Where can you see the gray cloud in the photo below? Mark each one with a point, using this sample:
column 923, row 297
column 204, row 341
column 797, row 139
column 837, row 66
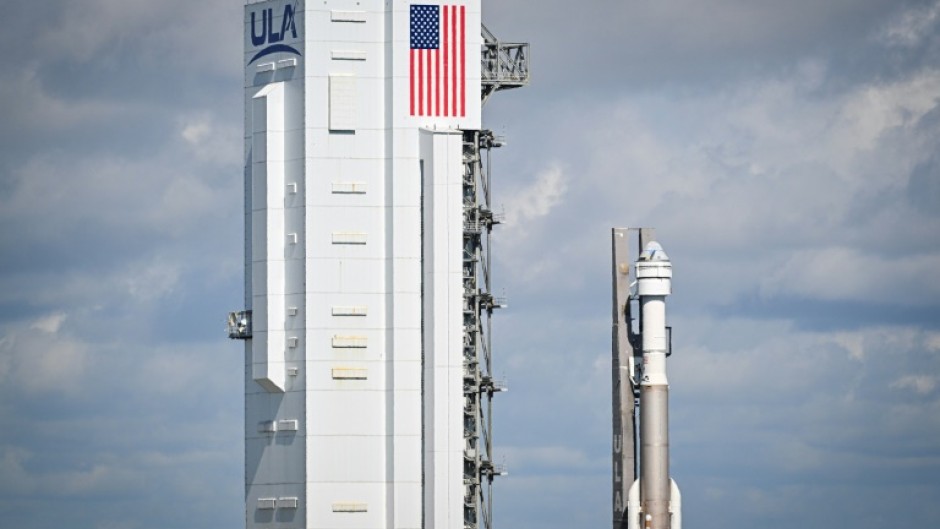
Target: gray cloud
column 784, row 151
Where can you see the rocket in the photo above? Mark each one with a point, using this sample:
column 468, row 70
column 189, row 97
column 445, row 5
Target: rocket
column 653, row 501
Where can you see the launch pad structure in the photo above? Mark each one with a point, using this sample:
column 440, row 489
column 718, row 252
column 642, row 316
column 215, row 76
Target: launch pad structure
column 367, row 325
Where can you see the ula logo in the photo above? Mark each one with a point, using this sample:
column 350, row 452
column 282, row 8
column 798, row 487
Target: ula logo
column 267, row 34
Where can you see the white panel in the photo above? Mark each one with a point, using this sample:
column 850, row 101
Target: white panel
column 350, row 310
column 347, row 232
column 407, row 275
column 407, row 407
column 287, row 502
column 408, row 458
column 350, row 373
column 287, row 425
column 350, row 506
column 346, row 412
column 371, row 101
column 368, row 375
column 349, row 344
column 322, row 496
column 343, row 98
column 408, row 503
column 353, row 312
column 367, row 465
column 268, row 109
column 347, row 16
column 349, row 237
column 407, row 345
column 407, row 226
column 348, row 275
column 287, row 63
column 279, row 462
column 443, row 290
column 357, row 188
column 407, row 376
column 347, row 341
column 267, row 503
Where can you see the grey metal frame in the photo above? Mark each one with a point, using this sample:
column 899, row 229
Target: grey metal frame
column 479, row 304
column 505, row 65
column 625, row 344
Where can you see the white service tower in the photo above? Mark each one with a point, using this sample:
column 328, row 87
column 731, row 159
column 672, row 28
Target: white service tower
column 364, row 382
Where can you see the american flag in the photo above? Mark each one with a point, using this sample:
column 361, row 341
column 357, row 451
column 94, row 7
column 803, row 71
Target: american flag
column 438, row 66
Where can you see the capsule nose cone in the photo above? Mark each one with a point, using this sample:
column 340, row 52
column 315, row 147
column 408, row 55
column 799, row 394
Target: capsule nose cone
column 654, row 252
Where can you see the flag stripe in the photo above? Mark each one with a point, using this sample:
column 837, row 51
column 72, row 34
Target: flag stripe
column 411, row 97
column 453, row 51
column 463, row 64
column 437, row 82
column 427, row 80
column 446, row 60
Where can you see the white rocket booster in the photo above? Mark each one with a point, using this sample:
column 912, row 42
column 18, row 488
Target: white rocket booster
column 654, row 496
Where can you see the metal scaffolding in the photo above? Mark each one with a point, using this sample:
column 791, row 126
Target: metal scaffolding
column 479, row 304
column 504, row 66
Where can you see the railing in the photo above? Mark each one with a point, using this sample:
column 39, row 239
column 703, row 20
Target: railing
column 504, row 65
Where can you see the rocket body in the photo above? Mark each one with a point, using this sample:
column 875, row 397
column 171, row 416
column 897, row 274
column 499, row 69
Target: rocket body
column 654, row 283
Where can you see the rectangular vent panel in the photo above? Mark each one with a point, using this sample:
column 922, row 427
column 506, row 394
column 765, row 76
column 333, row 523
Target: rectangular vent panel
column 347, row 16
column 266, row 503
column 350, row 373
column 349, row 237
column 287, row 502
column 343, row 97
column 288, row 425
column 350, row 506
column 348, row 55
column 350, row 310
column 351, row 188
column 350, row 342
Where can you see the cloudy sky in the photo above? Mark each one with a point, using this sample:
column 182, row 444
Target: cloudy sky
column 788, row 154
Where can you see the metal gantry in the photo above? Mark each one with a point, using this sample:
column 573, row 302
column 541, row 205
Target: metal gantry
column 504, row 66
column 479, row 304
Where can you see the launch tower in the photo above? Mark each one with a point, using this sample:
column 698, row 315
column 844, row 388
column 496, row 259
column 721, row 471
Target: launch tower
column 368, row 366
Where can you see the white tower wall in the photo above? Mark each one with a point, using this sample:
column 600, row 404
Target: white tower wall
column 353, row 388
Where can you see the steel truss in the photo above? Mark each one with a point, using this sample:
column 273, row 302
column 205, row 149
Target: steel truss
column 504, row 66
column 479, row 303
